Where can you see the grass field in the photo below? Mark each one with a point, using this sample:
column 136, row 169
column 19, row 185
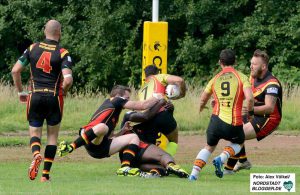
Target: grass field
column 98, row 178
column 78, row 173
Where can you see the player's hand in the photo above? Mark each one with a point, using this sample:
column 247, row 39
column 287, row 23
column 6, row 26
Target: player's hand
column 23, row 96
column 126, row 127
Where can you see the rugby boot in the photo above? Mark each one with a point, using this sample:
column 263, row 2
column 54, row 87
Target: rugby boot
column 228, row 172
column 128, row 171
column 192, row 178
column 218, row 166
column 239, row 166
column 177, row 170
column 34, row 166
column 149, row 175
column 64, row 149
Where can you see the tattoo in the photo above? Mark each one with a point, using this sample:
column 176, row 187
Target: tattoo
column 273, row 100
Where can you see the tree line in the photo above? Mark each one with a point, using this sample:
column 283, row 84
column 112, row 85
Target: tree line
column 104, row 37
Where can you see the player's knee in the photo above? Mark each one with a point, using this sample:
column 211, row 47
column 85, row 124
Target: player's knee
column 134, row 139
column 100, row 129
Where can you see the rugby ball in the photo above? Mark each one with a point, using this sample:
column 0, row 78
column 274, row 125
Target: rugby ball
column 172, row 91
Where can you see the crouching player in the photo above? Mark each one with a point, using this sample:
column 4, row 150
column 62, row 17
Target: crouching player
column 267, row 91
column 97, row 138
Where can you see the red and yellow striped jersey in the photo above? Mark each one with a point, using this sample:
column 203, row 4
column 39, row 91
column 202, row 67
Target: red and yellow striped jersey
column 153, row 84
column 227, row 88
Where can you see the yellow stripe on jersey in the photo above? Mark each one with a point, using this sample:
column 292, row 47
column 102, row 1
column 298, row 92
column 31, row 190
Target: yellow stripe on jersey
column 64, row 53
column 47, row 46
column 257, row 93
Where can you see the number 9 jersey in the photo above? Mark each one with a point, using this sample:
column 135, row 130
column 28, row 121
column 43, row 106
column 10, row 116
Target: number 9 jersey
column 227, row 88
column 46, row 59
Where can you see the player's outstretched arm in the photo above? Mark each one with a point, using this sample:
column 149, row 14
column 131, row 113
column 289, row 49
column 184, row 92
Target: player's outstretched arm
column 148, row 114
column 141, row 105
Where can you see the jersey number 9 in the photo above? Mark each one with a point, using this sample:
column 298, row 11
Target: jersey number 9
column 225, row 86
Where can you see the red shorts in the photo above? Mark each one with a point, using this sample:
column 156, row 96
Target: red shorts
column 264, row 126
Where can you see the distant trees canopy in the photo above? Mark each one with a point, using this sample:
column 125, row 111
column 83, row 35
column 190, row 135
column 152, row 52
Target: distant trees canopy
column 104, row 37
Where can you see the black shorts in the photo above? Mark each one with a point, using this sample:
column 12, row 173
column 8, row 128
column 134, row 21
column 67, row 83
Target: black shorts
column 264, row 126
column 101, row 150
column 163, row 122
column 218, row 129
column 41, row 106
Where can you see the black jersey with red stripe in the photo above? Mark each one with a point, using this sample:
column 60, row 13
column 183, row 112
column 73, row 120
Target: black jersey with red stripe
column 108, row 113
column 47, row 59
column 269, row 85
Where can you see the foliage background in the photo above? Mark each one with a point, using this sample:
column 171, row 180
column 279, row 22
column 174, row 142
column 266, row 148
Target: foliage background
column 104, row 37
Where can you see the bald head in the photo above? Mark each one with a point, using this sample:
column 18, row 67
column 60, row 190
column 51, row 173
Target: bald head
column 53, row 30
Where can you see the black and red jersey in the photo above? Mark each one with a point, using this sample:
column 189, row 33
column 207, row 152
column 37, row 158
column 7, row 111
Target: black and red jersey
column 108, row 113
column 269, row 85
column 46, row 59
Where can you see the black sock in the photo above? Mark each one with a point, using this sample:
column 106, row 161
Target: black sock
column 231, row 162
column 159, row 171
column 243, row 156
column 129, row 154
column 35, row 144
column 83, row 139
column 50, row 152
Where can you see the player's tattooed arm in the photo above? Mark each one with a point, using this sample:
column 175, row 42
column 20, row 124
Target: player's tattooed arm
column 268, row 108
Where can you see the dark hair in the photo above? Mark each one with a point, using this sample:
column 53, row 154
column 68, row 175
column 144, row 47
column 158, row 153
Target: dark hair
column 119, row 90
column 151, row 70
column 227, row 57
column 262, row 54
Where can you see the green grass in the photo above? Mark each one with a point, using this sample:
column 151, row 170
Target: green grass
column 98, row 177
column 79, row 108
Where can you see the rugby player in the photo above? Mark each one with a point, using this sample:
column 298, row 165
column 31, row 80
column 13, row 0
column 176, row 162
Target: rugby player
column 267, row 91
column 97, row 136
column 229, row 88
column 51, row 77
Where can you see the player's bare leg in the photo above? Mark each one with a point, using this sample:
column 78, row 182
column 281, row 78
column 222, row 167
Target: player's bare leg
column 156, row 154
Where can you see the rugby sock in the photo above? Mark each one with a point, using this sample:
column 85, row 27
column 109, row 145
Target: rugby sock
column 243, row 156
column 85, row 138
column 50, row 152
column 200, row 162
column 129, row 154
column 229, row 151
column 231, row 162
column 35, row 144
column 159, row 171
